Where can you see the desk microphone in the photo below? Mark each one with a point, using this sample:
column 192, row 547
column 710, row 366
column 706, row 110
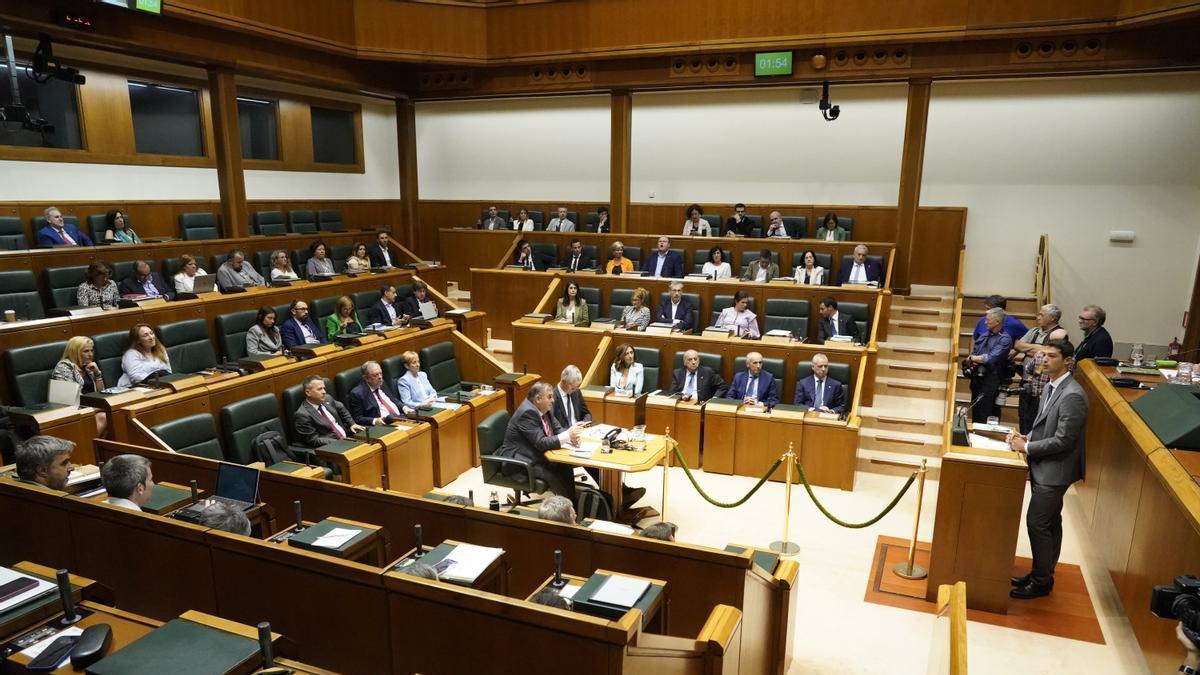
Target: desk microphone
column 524, row 368
column 264, row 642
column 383, row 481
column 558, row 582
column 420, row 548
column 962, row 412
column 195, row 491
column 70, row 616
column 296, row 513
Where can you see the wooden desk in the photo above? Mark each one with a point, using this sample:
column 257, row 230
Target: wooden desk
column 613, row 465
column 653, row 606
column 126, row 628
column 358, row 463
column 624, row 411
column 408, row 455
column 165, row 498
column 70, row 423
column 493, row 579
column 516, row 386
column 483, row 404
column 682, row 418
column 761, row 437
column 20, row 619
column 720, row 432
column 370, row 546
column 452, row 453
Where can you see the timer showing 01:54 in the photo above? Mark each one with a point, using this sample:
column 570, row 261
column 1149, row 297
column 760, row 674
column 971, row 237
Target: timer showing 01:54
column 777, row 63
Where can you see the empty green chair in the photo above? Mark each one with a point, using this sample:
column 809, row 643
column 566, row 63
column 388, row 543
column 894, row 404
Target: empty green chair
column 242, row 422
column 28, row 370
column 188, row 345
column 268, row 223
column 618, row 300
column 19, row 292
column 63, row 284
column 192, row 435
column 650, row 360
column 787, row 314
column 302, row 221
column 197, row 226
column 330, row 220
column 12, row 234
column 231, row 332
column 861, row 315
column 439, row 363
column 796, row 226
column 110, row 347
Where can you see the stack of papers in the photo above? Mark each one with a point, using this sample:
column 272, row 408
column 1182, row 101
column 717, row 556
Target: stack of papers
column 985, row 443
column 37, row 588
column 466, row 562
column 610, row 527
column 621, row 591
column 597, row 432
column 336, row 538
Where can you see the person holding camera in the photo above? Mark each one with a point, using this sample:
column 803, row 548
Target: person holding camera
column 988, row 360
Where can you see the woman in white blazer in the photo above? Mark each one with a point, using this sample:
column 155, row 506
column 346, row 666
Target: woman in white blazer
column 522, row 222
column 695, row 226
column 808, row 272
column 625, row 374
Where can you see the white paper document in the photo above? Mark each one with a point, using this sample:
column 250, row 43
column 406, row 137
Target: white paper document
column 610, row 527
column 597, row 432
column 36, row 649
column 468, row 561
column 985, row 443
column 41, row 588
column 621, row 591
column 336, row 538
column 569, row 591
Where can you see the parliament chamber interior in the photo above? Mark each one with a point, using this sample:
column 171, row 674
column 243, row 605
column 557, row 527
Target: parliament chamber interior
column 602, row 336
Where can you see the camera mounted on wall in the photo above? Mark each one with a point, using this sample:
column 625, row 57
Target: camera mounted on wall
column 828, row 111
column 45, row 67
column 1180, row 601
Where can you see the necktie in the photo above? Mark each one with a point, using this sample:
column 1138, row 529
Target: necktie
column 833, row 326
column 384, row 404
column 148, row 286
column 570, row 411
column 690, row 389
column 574, row 263
column 752, row 387
column 546, row 426
column 1046, row 395
column 67, row 238
column 820, row 394
column 337, row 428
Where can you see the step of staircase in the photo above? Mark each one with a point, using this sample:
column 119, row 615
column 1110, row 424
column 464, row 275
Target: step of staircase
column 902, row 413
column 879, row 462
column 901, row 442
column 918, row 327
column 925, row 349
column 925, row 371
column 1017, row 304
column 926, row 289
column 891, row 386
column 939, row 313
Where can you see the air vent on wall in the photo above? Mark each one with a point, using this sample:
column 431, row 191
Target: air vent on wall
column 446, row 79
column 560, row 73
column 889, row 57
column 706, row 65
column 1071, row 48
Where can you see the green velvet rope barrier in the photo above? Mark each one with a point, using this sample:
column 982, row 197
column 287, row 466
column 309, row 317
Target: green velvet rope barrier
column 725, row 505
column 854, row 526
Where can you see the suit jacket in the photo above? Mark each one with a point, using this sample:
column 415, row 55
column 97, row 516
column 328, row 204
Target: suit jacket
column 559, row 411
column 839, row 233
column 131, row 286
column 708, row 383
column 585, row 261
column 48, row 236
column 539, row 263
column 293, row 336
column 411, row 307
column 751, row 270
column 364, row 408
column 377, row 313
column 846, row 326
column 767, row 394
column 684, row 313
column 742, row 230
column 375, row 253
column 872, row 268
column 1056, row 440
column 672, row 266
column 1097, row 343
column 311, row 427
column 833, row 396
column 526, row 439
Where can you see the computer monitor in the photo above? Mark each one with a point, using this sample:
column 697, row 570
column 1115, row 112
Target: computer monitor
column 235, row 481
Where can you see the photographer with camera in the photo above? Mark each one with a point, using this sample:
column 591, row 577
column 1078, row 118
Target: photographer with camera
column 987, row 362
column 1180, row 601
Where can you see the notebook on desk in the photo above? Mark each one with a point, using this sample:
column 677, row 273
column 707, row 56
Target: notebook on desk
column 180, row 647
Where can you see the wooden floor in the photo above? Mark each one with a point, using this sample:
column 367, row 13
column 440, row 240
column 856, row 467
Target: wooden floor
column 1067, row 612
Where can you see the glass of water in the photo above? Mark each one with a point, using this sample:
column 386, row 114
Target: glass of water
column 1137, row 355
column 1184, row 374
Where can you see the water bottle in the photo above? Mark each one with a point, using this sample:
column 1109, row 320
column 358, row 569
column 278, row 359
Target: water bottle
column 494, row 501
column 1137, row 354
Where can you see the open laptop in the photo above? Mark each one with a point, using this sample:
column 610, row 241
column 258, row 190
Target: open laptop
column 237, row 487
column 204, row 283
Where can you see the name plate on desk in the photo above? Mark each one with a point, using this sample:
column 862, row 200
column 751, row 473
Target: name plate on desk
column 310, row 351
column 713, row 331
column 181, row 381
column 75, row 311
column 110, row 401
column 535, row 318
column 660, row 328
column 359, row 339
column 142, row 301
column 263, row 362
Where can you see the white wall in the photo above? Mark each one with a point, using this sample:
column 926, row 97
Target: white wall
column 542, row 148
column 763, row 145
column 1076, row 158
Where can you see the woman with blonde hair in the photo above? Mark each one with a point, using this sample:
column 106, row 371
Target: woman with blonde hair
column 625, row 374
column 637, row 315
column 358, row 261
column 343, row 319
column 78, row 365
column 617, row 251
column 144, row 357
column 189, row 269
column 281, row 267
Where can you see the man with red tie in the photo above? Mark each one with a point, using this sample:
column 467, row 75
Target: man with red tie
column 372, row 403
column 57, row 232
column 320, row 420
column 532, row 432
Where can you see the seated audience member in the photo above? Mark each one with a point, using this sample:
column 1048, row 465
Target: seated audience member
column 989, row 362
column 128, row 481
column 808, row 272
column 561, row 223
column 45, row 461
column 716, row 267
column 144, row 281
column 618, row 263
column 185, row 278
column 603, row 223
column 571, row 307
column 419, row 304
column 754, row 385
column 358, row 260
column 1012, row 325
column 664, row 262
column 558, row 509
column 263, row 338
column 98, row 289
column 458, row 500
column 78, row 365
column 419, row 570
column 576, row 259
column 527, row 258
column 300, row 329
column 695, row 225
column 834, row 324
column 379, row 253
column 491, row 220
column 57, row 232
column 144, row 357
column 531, row 433
column 281, row 266
column 223, row 517
column 675, row 309
column 775, row 227
column 830, row 230
column 569, row 407
column 861, row 270
column 738, row 224
column 385, row 311
column 319, row 419
column 1096, row 342
column 372, row 402
column 413, row 386
column 625, row 374
column 636, row 316
column 550, row 598
column 522, row 223
column 738, row 317
column 117, row 230
column 761, row 270
column 694, row 382
column 1035, row 376
column 235, row 273
column 663, row 531
column 343, row 320
column 319, row 265
column 820, row 392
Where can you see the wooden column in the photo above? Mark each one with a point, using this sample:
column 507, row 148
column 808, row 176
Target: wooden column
column 227, row 139
column 618, row 191
column 912, row 163
column 409, row 231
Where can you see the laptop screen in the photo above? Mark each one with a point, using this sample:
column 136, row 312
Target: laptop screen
column 237, row 482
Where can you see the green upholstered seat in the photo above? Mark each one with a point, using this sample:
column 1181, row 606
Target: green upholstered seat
column 300, row 258
column 322, row 308
column 772, row 366
column 548, row 252
column 538, row 218
column 651, row 366
column 819, row 259
column 63, row 283
column 861, row 314
column 195, row 226
column 848, row 260
column 592, row 297
column 330, row 220
column 12, row 234
column 345, row 381
column 837, row 371
column 19, row 292
column 339, row 254
column 97, row 224
column 110, row 347
column 192, row 435
column 28, row 370
column 123, row 269
column 787, row 314
column 362, row 302
column 243, row 420
column 439, row 363
column 693, row 298
column 302, row 221
column 393, row 368
column 635, row 254
column 268, row 223
column 714, row 361
column 750, row 256
column 700, row 256
column 618, row 300
column 231, row 332
column 188, row 345
column 796, row 226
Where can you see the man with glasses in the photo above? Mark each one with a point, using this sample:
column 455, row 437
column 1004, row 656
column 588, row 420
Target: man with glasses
column 300, row 330
column 739, row 225
column 1096, row 341
column 675, row 309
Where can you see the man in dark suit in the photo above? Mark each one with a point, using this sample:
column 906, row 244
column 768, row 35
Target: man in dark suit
column 834, row 323
column 58, row 233
column 1055, row 452
column 576, row 259
column 300, row 329
column 1096, row 341
column 529, row 259
column 664, row 262
column 145, row 281
column 569, row 407
column 738, row 224
column 379, row 253
column 532, row 432
column 411, row 305
column 371, row 402
column 860, row 270
column 694, row 382
column 819, row 391
column 755, row 385
column 320, row 420
column 385, row 311
column 675, row 308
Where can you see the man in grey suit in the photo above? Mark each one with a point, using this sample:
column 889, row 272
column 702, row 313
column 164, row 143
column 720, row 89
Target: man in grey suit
column 320, row 420
column 562, row 223
column 1054, row 451
column 533, row 431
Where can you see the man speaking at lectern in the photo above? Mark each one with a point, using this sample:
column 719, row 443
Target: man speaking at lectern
column 1054, row 450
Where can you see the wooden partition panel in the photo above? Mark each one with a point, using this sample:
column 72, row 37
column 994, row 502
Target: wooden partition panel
column 35, row 526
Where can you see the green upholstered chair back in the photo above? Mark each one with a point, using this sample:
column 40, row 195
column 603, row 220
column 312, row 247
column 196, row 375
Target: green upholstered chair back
column 268, row 223
column 62, row 284
column 39, row 222
column 12, row 234
column 195, row 226
column 861, row 314
column 592, row 297
column 344, row 381
column 588, row 250
column 262, row 263
column 714, row 361
column 635, row 254
column 302, row 221
column 243, row 420
column 772, row 366
column 192, row 435
column 848, row 260
column 819, row 259
column 618, row 300
column 787, row 314
column 231, row 332
column 393, row 368
column 218, row 259
column 592, row 222
column 362, row 302
column 110, row 347
column 490, row 432
column 441, row 366
column 750, row 256
column 651, row 366
column 170, row 266
column 300, row 258
column 693, row 298
column 546, row 250
column 330, row 220
column 96, row 225
column 539, row 220
column 700, row 256
column 502, row 213
column 29, row 369
column 339, row 254
column 123, row 269
column 188, row 345
column 714, row 222
column 19, row 292
column 322, row 308
column 720, row 302
column 796, row 226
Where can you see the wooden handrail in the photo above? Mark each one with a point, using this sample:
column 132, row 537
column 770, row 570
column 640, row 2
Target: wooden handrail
column 891, row 265
column 1041, row 272
column 858, row 387
column 547, row 304
column 952, row 371
column 437, row 295
column 952, row 604
column 603, row 354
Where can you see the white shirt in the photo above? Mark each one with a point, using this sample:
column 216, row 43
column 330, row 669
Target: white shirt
column 858, row 274
column 674, row 311
column 184, row 283
column 309, row 337
column 701, row 230
column 566, row 399
column 1056, row 383
column 721, row 271
column 123, row 503
column 780, row 233
column 760, row 273
column 391, row 310
column 523, row 225
column 658, row 264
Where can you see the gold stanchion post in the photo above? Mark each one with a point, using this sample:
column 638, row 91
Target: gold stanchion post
column 909, row 569
column 785, row 546
column 666, row 465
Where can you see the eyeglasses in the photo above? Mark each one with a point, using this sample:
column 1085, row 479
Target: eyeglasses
column 1086, row 318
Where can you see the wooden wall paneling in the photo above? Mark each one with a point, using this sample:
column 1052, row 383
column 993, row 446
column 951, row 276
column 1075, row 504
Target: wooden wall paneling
column 985, row 15
column 227, row 149
column 329, row 23
column 105, row 115
column 29, row 513
column 295, row 132
column 619, row 161
column 933, row 255
column 423, row 31
column 406, row 135
column 912, row 164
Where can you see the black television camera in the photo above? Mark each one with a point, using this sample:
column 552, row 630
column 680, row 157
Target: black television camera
column 1180, row 602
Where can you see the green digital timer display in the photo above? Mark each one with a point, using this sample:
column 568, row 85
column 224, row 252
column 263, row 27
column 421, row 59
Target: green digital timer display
column 772, row 63
column 152, row 6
